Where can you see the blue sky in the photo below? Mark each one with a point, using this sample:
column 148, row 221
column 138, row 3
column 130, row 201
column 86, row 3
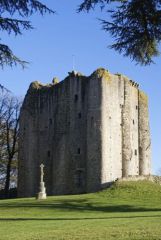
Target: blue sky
column 49, row 49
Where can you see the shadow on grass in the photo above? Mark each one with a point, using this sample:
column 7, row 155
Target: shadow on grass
column 81, row 205
column 77, row 219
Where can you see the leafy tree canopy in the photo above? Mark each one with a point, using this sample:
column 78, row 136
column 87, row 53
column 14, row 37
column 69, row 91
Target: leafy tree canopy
column 23, row 9
column 135, row 26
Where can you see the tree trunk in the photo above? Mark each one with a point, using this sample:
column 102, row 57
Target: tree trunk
column 7, row 183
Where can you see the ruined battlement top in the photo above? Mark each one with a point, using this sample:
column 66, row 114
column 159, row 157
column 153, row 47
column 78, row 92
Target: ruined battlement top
column 100, row 73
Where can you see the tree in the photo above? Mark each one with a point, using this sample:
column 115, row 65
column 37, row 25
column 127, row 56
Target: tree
column 9, row 24
column 135, row 26
column 9, row 128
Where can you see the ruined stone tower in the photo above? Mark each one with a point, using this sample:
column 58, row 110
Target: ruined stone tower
column 87, row 131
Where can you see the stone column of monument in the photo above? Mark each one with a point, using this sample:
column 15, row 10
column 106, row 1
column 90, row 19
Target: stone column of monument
column 42, row 189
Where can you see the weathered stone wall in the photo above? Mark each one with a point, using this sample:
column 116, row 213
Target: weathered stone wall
column 112, row 101
column 152, row 178
column 94, row 133
column 144, row 135
column 134, row 127
column 28, row 165
column 88, row 131
column 130, row 129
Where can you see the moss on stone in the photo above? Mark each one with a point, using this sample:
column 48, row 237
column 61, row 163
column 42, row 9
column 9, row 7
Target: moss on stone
column 80, row 74
column 102, row 73
column 35, row 85
column 143, row 97
column 118, row 74
column 125, row 78
column 55, row 81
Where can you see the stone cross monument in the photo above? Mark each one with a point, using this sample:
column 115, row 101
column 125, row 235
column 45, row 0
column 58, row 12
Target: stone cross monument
column 42, row 189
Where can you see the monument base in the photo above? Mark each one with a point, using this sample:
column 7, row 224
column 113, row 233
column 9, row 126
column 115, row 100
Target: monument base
column 41, row 195
column 42, row 191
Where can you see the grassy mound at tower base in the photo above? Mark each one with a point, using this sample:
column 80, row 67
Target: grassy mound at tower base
column 126, row 211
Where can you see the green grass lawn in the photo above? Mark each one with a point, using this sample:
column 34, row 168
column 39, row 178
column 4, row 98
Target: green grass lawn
column 128, row 210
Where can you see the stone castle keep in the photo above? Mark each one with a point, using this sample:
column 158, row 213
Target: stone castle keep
column 87, row 131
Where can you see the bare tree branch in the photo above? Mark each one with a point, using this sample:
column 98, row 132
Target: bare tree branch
column 9, row 128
